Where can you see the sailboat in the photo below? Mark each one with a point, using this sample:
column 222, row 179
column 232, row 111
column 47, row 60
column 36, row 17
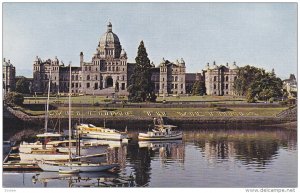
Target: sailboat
column 70, row 166
column 45, row 137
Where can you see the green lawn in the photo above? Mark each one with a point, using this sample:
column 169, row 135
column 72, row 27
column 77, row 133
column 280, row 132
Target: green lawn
column 89, row 99
column 200, row 98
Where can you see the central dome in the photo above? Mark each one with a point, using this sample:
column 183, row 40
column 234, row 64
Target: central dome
column 109, row 37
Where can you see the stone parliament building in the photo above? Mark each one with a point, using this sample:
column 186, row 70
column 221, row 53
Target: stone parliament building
column 109, row 72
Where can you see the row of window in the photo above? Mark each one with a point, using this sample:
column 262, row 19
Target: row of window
column 173, row 78
column 109, row 68
column 226, row 86
column 176, row 70
column 226, row 78
column 37, row 68
column 98, row 62
column 172, row 86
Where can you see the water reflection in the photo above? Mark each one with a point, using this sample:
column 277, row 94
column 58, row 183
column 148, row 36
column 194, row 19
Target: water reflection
column 89, row 179
column 251, row 147
column 165, row 150
column 204, row 158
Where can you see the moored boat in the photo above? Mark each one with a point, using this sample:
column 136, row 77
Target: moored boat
column 161, row 132
column 90, row 131
column 43, row 154
column 69, row 165
column 80, row 166
column 43, row 142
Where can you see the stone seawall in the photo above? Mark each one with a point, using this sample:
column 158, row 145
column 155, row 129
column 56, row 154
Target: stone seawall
column 287, row 116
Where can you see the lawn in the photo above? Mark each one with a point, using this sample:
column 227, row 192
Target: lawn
column 89, row 99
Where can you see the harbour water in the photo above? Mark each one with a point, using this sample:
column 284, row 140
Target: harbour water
column 233, row 158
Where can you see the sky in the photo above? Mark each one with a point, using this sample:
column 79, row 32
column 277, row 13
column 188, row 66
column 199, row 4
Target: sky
column 259, row 34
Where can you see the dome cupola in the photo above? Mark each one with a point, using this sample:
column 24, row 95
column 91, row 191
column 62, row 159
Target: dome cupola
column 233, row 66
column 109, row 37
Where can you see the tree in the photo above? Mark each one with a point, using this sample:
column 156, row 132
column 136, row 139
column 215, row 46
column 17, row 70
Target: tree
column 255, row 83
column 13, row 98
column 265, row 87
column 141, row 87
column 198, row 88
column 22, row 86
column 246, row 75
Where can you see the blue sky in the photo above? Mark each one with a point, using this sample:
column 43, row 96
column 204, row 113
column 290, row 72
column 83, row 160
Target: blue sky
column 259, row 34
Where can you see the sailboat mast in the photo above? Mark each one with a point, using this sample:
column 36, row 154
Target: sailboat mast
column 70, row 91
column 47, row 104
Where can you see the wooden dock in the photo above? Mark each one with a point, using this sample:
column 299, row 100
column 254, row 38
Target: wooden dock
column 11, row 162
column 17, row 166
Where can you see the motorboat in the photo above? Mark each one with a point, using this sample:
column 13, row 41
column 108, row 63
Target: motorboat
column 90, row 131
column 161, row 132
column 43, row 142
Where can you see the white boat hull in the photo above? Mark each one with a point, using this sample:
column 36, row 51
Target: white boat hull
column 38, row 157
column 146, row 137
column 81, row 167
column 95, row 135
column 27, row 148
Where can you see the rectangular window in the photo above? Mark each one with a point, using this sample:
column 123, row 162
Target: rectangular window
column 87, row 85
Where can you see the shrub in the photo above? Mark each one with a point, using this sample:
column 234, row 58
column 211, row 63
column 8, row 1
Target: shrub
column 13, row 98
column 223, row 109
column 107, row 100
column 96, row 104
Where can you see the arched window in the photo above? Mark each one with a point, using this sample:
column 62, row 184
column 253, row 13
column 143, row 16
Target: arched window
column 176, row 78
column 226, row 78
column 215, row 86
column 88, row 77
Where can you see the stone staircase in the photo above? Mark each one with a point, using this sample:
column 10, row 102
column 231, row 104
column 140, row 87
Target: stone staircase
column 290, row 113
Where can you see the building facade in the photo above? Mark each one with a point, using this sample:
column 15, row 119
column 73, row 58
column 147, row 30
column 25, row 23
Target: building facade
column 219, row 79
column 105, row 73
column 290, row 85
column 109, row 72
column 8, row 76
